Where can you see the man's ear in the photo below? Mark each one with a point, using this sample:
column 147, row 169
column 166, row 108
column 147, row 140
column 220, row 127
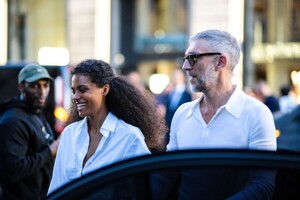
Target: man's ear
column 221, row 62
column 21, row 87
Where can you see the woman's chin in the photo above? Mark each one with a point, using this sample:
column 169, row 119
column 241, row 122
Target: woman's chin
column 81, row 114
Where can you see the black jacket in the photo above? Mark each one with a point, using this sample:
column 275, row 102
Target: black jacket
column 26, row 162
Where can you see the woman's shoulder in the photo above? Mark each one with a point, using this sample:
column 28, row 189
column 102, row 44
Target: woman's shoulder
column 126, row 128
column 71, row 128
column 75, row 124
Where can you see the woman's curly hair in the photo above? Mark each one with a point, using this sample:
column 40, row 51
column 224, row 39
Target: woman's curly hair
column 127, row 102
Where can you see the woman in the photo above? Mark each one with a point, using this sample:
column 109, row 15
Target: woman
column 111, row 120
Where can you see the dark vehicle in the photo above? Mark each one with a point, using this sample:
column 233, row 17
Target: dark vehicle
column 130, row 179
column 288, row 126
column 59, row 96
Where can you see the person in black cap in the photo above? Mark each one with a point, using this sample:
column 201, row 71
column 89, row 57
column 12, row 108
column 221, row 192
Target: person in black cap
column 27, row 145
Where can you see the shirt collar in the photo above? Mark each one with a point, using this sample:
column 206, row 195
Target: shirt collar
column 108, row 126
column 237, row 98
column 194, row 106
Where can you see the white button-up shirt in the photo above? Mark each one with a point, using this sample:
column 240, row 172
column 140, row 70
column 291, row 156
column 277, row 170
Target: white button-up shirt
column 120, row 141
column 242, row 123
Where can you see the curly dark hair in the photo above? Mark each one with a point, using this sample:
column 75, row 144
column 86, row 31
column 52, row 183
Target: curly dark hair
column 127, row 102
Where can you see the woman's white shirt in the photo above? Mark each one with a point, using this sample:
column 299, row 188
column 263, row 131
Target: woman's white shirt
column 120, row 141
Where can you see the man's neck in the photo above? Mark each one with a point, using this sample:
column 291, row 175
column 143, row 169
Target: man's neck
column 214, row 101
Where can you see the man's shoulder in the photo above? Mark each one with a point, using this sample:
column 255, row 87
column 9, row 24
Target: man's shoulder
column 15, row 117
column 253, row 103
column 256, row 109
column 14, row 113
column 12, row 104
column 186, row 109
column 189, row 104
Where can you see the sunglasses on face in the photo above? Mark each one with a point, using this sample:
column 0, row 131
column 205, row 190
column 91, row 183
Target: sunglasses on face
column 192, row 58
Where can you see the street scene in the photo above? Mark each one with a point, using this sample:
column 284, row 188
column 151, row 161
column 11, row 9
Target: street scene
column 143, row 99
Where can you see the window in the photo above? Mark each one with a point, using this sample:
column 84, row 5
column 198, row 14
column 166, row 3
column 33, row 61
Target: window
column 295, row 25
column 160, row 26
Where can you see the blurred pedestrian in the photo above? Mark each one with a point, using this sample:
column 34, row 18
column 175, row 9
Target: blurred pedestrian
column 287, row 99
column 27, row 145
column 263, row 92
column 135, row 78
column 223, row 117
column 178, row 95
column 111, row 120
column 249, row 91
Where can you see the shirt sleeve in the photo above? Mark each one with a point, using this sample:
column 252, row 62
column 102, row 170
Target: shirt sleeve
column 173, row 145
column 263, row 132
column 58, row 177
column 137, row 147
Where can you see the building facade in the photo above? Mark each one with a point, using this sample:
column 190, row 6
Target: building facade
column 151, row 36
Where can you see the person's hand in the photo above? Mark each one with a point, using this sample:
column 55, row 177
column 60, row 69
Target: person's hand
column 53, row 147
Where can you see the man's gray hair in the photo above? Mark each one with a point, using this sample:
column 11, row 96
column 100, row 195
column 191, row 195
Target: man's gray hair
column 221, row 41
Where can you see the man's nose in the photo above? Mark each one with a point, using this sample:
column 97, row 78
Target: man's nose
column 44, row 90
column 186, row 65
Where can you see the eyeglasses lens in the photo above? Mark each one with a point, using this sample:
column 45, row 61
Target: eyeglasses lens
column 190, row 59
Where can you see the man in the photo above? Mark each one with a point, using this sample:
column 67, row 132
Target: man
column 179, row 94
column 27, row 147
column 223, row 117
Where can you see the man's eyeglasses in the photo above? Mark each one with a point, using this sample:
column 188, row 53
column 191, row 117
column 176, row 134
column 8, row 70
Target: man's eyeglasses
column 192, row 58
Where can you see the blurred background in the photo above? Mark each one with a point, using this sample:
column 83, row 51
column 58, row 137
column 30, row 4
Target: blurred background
column 151, row 36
